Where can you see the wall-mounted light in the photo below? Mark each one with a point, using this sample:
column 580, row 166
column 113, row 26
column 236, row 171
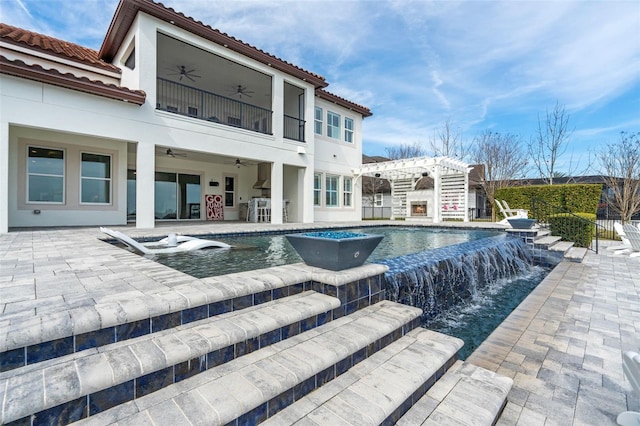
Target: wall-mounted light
column 425, row 174
column 377, row 175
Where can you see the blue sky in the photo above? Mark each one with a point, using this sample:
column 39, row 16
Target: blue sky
column 416, row 64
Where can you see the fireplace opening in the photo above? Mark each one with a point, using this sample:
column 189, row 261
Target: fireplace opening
column 418, row 208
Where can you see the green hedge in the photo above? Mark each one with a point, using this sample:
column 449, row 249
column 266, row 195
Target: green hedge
column 572, row 197
column 571, row 228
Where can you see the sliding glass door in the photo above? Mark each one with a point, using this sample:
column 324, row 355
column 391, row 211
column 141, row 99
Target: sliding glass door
column 177, row 196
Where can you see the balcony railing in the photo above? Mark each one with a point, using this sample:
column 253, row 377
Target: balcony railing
column 188, row 101
column 293, row 128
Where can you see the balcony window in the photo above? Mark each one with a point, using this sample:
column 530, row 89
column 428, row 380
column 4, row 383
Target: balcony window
column 333, row 125
column 348, row 130
column 318, row 121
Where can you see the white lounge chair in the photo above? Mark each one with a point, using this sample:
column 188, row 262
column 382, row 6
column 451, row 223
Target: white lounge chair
column 633, row 235
column 510, row 213
column 631, row 368
column 183, row 244
column 625, row 245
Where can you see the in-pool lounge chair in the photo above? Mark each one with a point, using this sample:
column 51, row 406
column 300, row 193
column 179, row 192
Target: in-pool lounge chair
column 633, row 235
column 510, row 213
column 166, row 245
column 631, row 368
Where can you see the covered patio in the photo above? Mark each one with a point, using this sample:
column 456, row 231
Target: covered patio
column 450, row 199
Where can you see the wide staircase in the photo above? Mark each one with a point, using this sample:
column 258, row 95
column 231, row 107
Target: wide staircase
column 325, row 349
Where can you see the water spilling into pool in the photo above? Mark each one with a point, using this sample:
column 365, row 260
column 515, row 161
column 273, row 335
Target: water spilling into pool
column 264, row 251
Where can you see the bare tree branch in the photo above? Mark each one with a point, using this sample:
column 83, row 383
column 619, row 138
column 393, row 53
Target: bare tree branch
column 620, row 166
column 447, row 142
column 504, row 160
column 550, row 143
column 405, row 151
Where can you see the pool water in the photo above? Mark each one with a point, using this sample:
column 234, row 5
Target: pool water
column 264, row 251
column 476, row 319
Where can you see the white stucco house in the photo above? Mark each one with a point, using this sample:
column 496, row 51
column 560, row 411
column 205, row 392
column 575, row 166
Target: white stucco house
column 169, row 120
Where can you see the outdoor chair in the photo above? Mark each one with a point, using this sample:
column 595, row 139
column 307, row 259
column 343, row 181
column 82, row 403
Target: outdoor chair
column 511, row 213
column 631, row 367
column 633, row 235
column 625, row 246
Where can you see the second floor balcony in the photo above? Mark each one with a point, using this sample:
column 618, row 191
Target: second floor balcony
column 184, row 100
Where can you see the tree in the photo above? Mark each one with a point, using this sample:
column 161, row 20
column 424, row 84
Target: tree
column 405, row 151
column 447, row 142
column 504, row 160
column 620, row 168
column 550, row 143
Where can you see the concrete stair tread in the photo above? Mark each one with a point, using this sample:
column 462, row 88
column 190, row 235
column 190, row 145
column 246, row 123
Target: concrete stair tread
column 547, row 240
column 272, row 374
column 33, row 388
column 466, row 394
column 561, row 246
column 576, row 254
column 373, row 391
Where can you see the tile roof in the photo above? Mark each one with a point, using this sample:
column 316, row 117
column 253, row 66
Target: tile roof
column 128, row 9
column 19, row 68
column 53, row 46
column 327, row 96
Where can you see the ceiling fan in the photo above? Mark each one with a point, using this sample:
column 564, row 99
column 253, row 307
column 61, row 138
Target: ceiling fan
column 239, row 163
column 184, row 72
column 241, row 90
column 170, row 153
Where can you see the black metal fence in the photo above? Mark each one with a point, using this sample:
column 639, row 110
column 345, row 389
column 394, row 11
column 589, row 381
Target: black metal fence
column 185, row 100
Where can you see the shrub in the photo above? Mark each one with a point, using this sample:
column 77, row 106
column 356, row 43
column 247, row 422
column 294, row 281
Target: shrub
column 571, row 228
column 571, row 197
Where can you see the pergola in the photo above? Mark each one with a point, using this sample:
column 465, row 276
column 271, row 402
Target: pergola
column 450, row 183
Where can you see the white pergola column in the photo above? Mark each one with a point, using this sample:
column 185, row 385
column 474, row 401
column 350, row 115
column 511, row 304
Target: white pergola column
column 393, row 199
column 437, row 195
column 466, row 196
column 145, row 185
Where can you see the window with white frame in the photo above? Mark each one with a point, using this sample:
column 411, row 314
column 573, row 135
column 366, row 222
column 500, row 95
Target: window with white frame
column 378, row 200
column 347, row 193
column 331, row 191
column 348, row 130
column 95, row 179
column 318, row 121
column 317, row 189
column 45, row 175
column 229, row 191
column 333, row 125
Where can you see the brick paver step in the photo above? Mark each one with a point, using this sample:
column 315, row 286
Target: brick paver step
column 255, row 386
column 547, row 241
column 575, row 254
column 561, row 246
column 148, row 363
column 380, row 389
column 467, row 394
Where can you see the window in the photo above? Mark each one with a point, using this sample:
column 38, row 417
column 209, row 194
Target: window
column 377, row 200
column 333, row 125
column 45, row 175
column 130, row 62
column 95, row 179
column 331, row 191
column 317, row 189
column 318, row 121
column 348, row 192
column 229, row 191
column 348, row 130
column 192, row 111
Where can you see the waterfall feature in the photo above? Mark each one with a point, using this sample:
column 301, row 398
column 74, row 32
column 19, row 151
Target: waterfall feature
column 437, row 279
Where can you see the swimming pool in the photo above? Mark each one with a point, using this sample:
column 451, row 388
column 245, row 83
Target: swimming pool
column 264, row 251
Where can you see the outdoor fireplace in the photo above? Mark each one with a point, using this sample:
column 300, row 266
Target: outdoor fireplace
column 418, row 208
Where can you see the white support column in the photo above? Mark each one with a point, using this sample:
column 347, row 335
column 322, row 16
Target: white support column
column 437, row 195
column 393, row 200
column 276, row 192
column 145, row 185
column 278, row 107
column 4, row 178
column 466, row 196
column 305, row 194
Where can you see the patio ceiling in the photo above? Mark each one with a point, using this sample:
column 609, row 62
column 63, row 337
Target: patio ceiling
column 412, row 168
